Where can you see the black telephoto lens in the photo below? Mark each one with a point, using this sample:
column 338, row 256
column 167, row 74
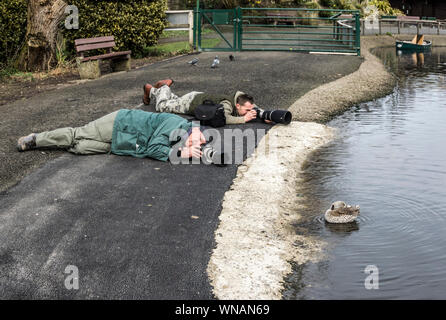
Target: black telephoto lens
column 277, row 116
column 280, row 116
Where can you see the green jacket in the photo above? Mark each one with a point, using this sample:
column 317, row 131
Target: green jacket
column 145, row 134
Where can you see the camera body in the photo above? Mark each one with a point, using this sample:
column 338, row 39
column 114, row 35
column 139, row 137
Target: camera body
column 278, row 116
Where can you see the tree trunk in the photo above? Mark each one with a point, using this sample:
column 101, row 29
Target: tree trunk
column 39, row 51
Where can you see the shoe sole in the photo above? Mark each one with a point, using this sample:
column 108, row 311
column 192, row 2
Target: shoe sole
column 144, row 90
column 21, row 146
column 163, row 84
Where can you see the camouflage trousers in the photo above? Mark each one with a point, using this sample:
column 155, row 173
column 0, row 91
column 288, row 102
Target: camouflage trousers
column 94, row 137
column 166, row 101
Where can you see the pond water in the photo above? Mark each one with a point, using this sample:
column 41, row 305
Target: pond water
column 389, row 158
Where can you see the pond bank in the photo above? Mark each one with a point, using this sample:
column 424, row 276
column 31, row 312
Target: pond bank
column 371, row 80
column 255, row 240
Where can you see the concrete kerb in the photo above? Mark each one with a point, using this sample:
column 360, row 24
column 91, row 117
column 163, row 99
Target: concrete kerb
column 255, row 242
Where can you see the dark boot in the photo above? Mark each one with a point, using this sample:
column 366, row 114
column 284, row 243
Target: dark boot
column 27, row 143
column 167, row 82
column 146, row 97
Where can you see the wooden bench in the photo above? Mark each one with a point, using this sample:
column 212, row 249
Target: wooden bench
column 89, row 66
column 284, row 16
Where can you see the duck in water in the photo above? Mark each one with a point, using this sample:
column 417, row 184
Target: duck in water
column 340, row 212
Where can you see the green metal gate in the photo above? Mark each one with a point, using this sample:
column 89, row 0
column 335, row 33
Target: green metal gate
column 218, row 29
column 278, row 29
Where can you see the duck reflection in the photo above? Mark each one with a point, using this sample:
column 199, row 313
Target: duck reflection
column 342, row 227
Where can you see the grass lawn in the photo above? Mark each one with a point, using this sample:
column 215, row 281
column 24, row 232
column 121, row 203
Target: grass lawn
column 182, row 33
column 11, row 71
column 174, row 48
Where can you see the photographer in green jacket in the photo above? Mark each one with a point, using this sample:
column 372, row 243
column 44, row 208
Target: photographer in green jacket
column 124, row 132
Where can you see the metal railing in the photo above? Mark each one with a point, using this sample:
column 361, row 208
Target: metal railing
column 300, row 29
column 218, row 23
column 403, row 26
column 344, row 31
column 281, row 29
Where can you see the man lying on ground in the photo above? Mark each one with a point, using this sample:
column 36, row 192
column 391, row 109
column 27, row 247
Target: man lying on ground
column 240, row 110
column 124, row 132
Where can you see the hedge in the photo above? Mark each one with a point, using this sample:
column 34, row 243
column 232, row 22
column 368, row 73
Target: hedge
column 135, row 24
column 13, row 15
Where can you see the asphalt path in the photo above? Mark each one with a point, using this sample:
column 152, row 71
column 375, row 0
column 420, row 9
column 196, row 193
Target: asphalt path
column 132, row 228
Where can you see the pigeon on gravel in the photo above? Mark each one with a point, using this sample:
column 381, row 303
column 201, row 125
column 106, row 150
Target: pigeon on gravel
column 231, row 57
column 215, row 63
column 193, row 62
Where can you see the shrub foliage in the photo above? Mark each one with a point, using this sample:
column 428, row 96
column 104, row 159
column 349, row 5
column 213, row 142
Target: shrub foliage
column 13, row 14
column 135, row 24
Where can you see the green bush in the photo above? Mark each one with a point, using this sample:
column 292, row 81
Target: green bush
column 344, row 4
column 311, row 5
column 385, row 8
column 135, row 24
column 299, row 3
column 339, row 4
column 13, row 15
column 327, row 3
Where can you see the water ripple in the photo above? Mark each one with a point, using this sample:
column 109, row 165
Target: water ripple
column 390, row 159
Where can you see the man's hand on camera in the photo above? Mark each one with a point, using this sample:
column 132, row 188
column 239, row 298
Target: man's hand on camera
column 268, row 121
column 250, row 115
column 192, row 151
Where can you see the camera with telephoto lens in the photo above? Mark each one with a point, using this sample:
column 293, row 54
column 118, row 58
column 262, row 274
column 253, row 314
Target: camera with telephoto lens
column 213, row 156
column 277, row 116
